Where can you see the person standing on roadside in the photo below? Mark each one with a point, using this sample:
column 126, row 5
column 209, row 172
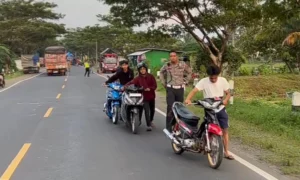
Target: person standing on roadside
column 87, row 68
column 148, row 82
column 215, row 87
column 174, row 75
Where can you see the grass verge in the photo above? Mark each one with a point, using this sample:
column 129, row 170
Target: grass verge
column 14, row 75
column 266, row 126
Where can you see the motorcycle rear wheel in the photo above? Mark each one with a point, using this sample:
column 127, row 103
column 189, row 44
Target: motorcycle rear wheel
column 215, row 157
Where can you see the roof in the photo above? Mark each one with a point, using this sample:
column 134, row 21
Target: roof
column 55, row 49
column 157, row 49
column 108, row 50
column 138, row 53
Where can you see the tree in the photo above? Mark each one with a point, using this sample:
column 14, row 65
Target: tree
column 25, row 26
column 211, row 18
column 123, row 40
column 292, row 38
column 6, row 61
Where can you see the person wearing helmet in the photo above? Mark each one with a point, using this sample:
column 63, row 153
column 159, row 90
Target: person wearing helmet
column 148, row 82
column 124, row 75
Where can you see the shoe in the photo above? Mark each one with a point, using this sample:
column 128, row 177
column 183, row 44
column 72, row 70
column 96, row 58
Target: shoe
column 152, row 125
column 149, row 128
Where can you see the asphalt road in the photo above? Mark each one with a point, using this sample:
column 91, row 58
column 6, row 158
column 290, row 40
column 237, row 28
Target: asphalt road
column 76, row 141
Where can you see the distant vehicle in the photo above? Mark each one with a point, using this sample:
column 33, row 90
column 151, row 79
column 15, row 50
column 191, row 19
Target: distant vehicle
column 42, row 62
column 56, row 60
column 30, row 64
column 109, row 63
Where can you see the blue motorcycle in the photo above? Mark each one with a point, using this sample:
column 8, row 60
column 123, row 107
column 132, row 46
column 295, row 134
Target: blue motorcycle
column 113, row 104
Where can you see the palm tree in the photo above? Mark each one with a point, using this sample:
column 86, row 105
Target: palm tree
column 291, row 39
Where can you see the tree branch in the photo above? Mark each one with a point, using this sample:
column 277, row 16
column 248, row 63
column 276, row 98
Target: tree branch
column 203, row 45
column 200, row 28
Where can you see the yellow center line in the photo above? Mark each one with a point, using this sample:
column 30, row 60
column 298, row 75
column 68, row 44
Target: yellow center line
column 47, row 114
column 63, row 86
column 58, row 96
column 14, row 164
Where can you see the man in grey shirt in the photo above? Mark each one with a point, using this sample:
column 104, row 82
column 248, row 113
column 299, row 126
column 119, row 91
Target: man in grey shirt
column 174, row 75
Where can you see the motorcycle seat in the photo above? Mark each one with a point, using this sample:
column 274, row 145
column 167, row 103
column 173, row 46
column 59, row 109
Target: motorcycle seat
column 185, row 113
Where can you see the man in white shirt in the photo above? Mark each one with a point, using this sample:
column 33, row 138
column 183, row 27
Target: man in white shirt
column 213, row 87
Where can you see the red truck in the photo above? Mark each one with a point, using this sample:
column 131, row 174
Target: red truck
column 109, row 63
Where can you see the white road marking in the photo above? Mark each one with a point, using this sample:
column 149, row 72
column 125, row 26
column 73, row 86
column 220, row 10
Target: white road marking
column 237, row 158
column 20, row 82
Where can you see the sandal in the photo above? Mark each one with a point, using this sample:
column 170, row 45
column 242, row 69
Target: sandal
column 229, row 157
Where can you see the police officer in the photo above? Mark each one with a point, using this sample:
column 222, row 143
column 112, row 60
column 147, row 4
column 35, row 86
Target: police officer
column 174, row 75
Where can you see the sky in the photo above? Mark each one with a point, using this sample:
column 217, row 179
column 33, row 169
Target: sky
column 81, row 13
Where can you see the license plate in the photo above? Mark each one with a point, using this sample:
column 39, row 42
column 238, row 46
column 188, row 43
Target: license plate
column 55, row 71
column 135, row 95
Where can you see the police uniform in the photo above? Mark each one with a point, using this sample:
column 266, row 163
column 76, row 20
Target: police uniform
column 174, row 77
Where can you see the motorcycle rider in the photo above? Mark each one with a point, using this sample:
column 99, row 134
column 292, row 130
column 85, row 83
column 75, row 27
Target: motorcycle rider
column 213, row 87
column 2, row 79
column 124, row 76
column 148, row 82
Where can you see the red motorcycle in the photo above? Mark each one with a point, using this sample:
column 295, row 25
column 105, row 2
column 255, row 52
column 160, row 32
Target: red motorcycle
column 187, row 136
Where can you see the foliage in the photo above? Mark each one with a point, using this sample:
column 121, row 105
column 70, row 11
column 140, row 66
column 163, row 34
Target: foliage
column 232, row 57
column 25, row 26
column 280, row 22
column 123, row 40
column 6, row 59
column 209, row 17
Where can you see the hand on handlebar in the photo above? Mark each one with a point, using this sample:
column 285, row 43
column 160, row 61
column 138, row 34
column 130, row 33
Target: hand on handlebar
column 188, row 102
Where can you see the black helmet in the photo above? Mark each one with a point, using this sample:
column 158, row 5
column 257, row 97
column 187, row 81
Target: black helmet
column 140, row 65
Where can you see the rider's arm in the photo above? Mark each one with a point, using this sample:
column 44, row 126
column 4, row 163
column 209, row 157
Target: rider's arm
column 134, row 81
column 199, row 87
column 226, row 91
column 113, row 78
column 153, row 84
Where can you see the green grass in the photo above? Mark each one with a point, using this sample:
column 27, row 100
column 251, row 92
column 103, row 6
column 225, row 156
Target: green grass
column 264, row 121
column 14, row 75
column 250, row 66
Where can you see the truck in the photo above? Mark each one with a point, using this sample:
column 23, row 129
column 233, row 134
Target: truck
column 56, row 60
column 30, row 64
column 109, row 63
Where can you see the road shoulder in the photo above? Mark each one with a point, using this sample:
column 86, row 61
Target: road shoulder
column 251, row 155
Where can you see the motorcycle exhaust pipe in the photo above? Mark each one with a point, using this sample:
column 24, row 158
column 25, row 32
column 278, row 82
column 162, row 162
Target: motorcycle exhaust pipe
column 170, row 136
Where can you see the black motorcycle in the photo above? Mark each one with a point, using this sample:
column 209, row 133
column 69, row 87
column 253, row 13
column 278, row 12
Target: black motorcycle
column 186, row 135
column 2, row 80
column 132, row 107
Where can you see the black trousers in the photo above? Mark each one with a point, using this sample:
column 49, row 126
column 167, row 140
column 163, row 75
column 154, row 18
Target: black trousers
column 172, row 96
column 87, row 72
column 149, row 108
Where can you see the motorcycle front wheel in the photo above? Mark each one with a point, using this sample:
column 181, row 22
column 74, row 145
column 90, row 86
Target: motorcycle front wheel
column 115, row 115
column 215, row 157
column 135, row 121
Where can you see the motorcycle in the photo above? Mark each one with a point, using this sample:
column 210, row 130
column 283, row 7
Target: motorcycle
column 2, row 80
column 132, row 107
column 113, row 104
column 187, row 136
